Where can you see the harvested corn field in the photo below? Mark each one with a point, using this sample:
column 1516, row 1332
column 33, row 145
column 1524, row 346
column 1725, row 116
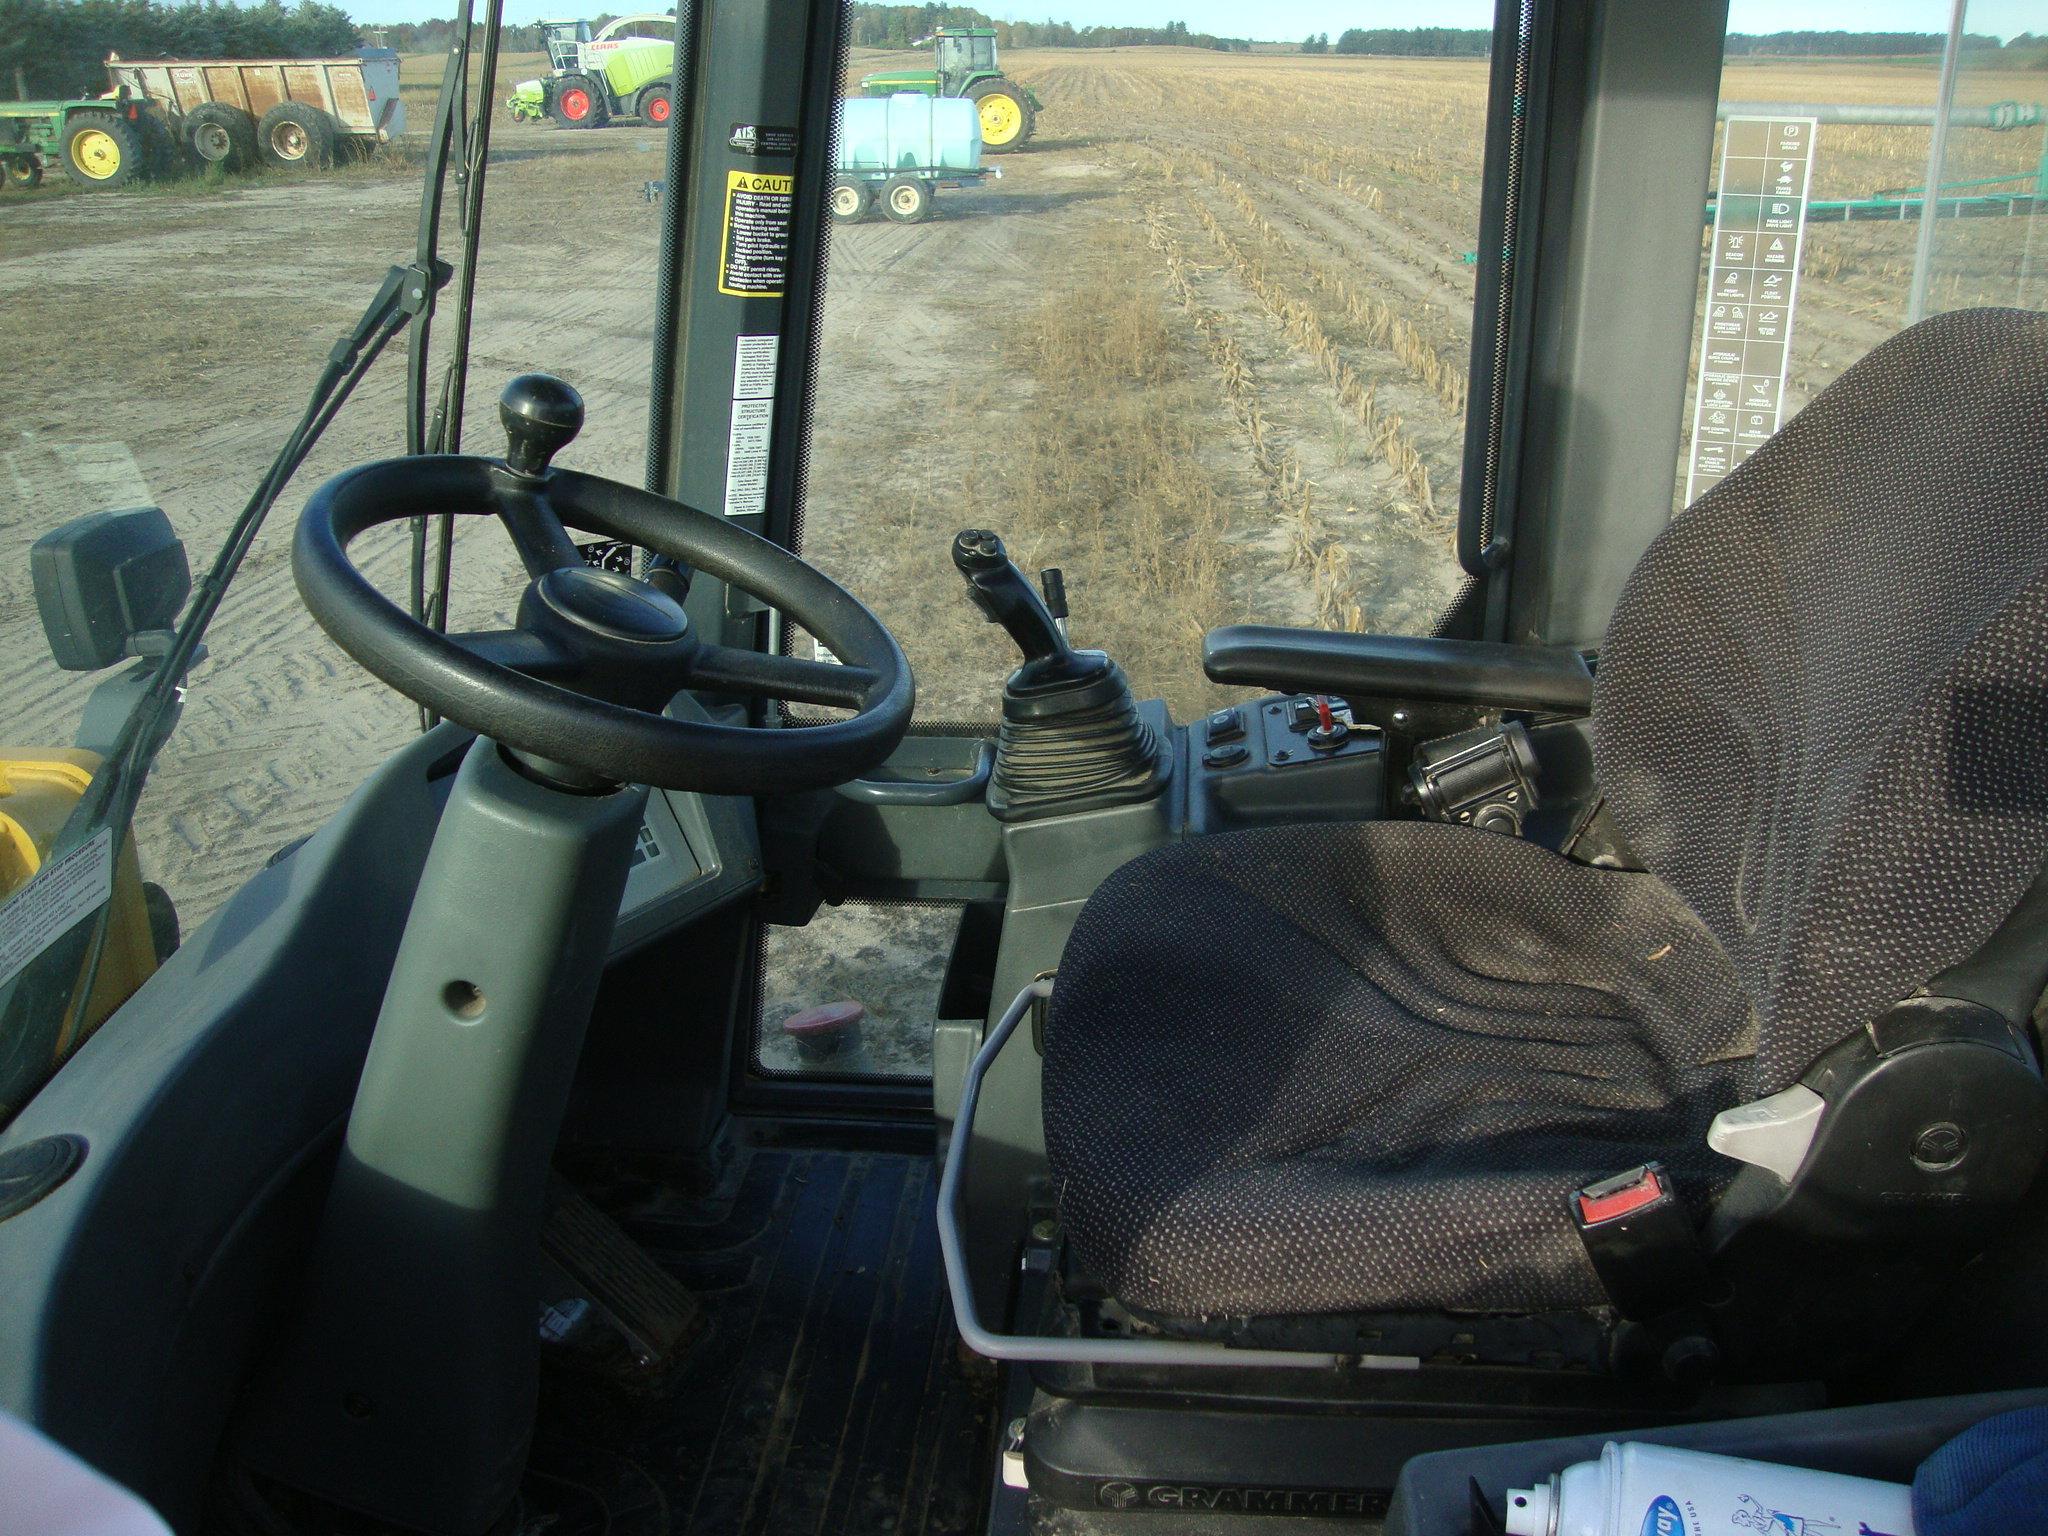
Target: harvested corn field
column 1206, row 346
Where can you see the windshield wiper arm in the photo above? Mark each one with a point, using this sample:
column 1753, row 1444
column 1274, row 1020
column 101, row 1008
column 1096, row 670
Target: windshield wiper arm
column 469, row 147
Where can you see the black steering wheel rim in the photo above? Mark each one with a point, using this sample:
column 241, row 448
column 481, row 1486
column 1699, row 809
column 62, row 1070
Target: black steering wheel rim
column 483, row 682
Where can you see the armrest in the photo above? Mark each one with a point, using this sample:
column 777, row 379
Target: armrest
column 1479, row 674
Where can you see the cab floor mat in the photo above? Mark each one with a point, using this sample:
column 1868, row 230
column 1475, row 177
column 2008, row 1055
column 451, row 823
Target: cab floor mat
column 827, row 1391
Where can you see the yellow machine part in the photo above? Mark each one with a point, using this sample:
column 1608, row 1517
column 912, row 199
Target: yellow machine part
column 37, row 791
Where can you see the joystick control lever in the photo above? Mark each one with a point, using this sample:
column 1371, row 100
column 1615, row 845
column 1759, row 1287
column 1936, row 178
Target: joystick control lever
column 1002, row 592
column 1071, row 734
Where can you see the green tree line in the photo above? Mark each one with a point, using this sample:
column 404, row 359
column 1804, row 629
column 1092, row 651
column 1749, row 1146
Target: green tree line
column 1861, row 44
column 438, row 35
column 1418, row 42
column 60, row 47
column 1472, row 42
column 900, row 26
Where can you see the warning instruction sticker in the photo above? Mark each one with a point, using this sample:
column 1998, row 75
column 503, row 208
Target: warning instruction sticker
column 62, row 892
column 1752, row 287
column 753, row 367
column 754, row 255
column 761, row 139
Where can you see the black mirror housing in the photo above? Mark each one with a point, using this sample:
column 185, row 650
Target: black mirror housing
column 104, row 580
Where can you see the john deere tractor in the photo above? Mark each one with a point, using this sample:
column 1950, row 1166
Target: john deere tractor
column 102, row 142
column 964, row 64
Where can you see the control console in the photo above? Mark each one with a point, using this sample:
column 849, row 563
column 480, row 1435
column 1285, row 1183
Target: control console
column 1298, row 757
column 1072, row 739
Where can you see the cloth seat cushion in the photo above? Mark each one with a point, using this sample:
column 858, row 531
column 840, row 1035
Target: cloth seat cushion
column 1360, row 1068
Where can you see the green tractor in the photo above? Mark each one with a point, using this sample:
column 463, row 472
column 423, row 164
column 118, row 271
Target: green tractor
column 964, row 64
column 101, row 142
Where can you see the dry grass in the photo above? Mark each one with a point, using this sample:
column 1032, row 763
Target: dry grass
column 1109, row 477
column 1312, row 547
column 1342, row 195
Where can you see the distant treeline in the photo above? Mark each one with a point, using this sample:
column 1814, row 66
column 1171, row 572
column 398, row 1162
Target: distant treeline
column 900, row 26
column 1461, row 42
column 59, row 47
column 438, row 36
column 1861, row 44
column 1413, row 42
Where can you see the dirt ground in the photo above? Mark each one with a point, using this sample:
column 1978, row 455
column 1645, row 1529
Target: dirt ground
column 1203, row 345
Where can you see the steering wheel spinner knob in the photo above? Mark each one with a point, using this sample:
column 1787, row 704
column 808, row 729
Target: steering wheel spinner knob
column 542, row 415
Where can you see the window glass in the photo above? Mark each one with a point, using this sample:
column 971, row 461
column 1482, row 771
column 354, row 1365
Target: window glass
column 1197, row 334
column 855, row 992
column 173, row 296
column 1839, row 127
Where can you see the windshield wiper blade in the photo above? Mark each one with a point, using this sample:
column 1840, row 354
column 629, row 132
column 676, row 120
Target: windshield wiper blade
column 427, row 244
column 444, row 147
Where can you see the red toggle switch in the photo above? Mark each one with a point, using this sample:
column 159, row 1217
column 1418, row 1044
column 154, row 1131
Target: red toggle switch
column 1329, row 733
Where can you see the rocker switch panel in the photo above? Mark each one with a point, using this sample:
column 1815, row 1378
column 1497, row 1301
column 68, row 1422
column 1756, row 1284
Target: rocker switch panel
column 1224, row 725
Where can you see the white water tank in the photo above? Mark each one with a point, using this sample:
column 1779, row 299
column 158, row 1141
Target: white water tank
column 908, row 132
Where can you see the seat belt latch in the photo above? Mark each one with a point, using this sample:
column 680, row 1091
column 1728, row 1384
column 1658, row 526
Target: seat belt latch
column 1642, row 1241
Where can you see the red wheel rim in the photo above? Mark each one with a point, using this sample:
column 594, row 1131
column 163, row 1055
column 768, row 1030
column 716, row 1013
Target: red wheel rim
column 575, row 104
column 657, row 110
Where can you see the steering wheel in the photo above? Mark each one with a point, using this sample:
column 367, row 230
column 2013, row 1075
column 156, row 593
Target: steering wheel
column 577, row 688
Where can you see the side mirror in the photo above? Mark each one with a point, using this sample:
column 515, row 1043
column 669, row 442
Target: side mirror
column 107, row 584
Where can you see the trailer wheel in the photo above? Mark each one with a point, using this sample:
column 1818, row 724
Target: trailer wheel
column 907, row 200
column 576, row 102
column 218, row 134
column 851, row 200
column 654, row 107
column 1006, row 117
column 295, row 137
column 100, row 150
column 23, row 172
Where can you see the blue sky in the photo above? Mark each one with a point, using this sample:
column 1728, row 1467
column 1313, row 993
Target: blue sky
column 1297, row 18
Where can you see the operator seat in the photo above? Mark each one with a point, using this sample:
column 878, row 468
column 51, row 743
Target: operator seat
column 1360, row 1068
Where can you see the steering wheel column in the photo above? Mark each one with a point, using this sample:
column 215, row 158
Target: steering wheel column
column 403, row 1385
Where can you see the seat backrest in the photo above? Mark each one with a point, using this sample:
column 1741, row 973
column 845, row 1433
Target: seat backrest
column 1821, row 711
